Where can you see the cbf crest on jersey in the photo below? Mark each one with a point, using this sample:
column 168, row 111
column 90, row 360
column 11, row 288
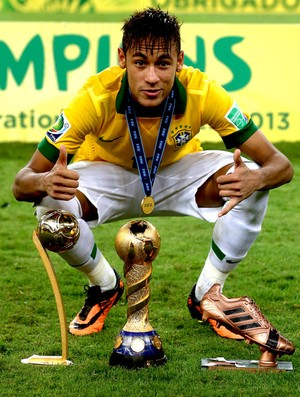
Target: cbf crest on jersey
column 181, row 136
column 60, row 127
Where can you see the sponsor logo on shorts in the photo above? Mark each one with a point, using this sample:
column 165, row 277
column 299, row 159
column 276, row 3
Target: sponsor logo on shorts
column 60, row 127
column 236, row 117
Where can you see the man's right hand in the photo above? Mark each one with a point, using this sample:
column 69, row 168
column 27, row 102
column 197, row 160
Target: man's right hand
column 61, row 183
column 40, row 178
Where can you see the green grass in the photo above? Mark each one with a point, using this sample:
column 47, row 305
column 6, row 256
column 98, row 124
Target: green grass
column 29, row 320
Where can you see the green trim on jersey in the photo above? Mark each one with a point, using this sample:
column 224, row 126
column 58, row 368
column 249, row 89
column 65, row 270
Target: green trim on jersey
column 120, row 99
column 181, row 97
column 237, row 138
column 180, row 94
column 51, row 152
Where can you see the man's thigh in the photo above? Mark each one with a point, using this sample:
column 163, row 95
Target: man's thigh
column 116, row 192
column 176, row 186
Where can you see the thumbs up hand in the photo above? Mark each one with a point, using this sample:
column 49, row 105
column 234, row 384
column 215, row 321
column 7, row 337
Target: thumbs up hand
column 60, row 182
column 63, row 157
column 238, row 185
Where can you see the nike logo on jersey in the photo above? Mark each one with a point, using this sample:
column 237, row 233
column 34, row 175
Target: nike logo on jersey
column 109, row 140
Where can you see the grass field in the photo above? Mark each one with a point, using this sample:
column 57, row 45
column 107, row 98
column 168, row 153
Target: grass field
column 29, row 321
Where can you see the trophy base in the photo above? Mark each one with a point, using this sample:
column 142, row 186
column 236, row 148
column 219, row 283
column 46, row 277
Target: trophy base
column 246, row 365
column 137, row 350
column 46, row 360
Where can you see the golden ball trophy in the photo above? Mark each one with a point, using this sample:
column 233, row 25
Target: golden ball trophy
column 138, row 344
column 57, row 231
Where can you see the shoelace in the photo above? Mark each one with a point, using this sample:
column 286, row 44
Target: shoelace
column 256, row 312
column 90, row 300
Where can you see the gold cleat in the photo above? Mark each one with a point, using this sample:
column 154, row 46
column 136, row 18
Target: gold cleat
column 242, row 316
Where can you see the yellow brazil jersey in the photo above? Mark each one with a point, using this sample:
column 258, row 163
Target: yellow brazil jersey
column 93, row 126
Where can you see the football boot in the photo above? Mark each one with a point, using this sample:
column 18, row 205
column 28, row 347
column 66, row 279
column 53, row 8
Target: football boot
column 242, row 316
column 196, row 312
column 97, row 304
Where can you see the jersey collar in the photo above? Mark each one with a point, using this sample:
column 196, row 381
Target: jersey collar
column 180, row 95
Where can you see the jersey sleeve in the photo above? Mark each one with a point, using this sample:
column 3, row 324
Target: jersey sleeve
column 75, row 121
column 222, row 113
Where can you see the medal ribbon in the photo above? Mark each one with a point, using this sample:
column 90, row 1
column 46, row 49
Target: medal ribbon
column 147, row 177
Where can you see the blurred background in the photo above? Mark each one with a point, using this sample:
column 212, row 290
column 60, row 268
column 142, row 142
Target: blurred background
column 49, row 47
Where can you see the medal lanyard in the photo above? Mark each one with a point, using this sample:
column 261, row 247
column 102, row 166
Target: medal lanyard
column 147, row 177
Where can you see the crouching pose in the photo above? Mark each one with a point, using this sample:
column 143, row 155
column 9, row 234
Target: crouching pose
column 127, row 145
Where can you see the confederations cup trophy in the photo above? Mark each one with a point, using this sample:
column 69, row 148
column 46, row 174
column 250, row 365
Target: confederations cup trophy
column 138, row 344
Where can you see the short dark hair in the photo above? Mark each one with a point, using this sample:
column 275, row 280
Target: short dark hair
column 149, row 26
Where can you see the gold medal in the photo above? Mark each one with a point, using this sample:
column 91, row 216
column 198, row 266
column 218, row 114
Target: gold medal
column 147, row 205
column 147, row 177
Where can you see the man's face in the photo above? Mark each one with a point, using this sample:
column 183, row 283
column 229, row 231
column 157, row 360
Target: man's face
column 151, row 72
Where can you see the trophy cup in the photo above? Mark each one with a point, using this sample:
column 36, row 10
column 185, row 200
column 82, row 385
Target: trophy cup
column 138, row 344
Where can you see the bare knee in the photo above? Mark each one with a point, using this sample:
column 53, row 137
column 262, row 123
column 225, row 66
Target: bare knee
column 208, row 194
column 89, row 211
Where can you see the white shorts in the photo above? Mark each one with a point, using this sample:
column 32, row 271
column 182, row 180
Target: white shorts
column 117, row 192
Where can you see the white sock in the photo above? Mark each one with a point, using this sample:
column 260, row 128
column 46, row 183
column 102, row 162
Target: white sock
column 209, row 276
column 100, row 274
column 86, row 257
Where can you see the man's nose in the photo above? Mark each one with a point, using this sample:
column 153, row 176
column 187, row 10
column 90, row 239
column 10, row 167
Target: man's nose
column 151, row 76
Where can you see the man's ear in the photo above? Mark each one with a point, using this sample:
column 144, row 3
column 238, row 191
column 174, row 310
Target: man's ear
column 180, row 61
column 121, row 58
